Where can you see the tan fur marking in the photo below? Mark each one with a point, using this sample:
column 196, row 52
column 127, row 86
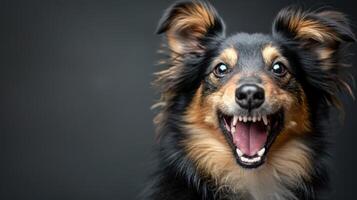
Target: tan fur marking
column 272, row 54
column 310, row 29
column 288, row 161
column 325, row 55
column 229, row 56
column 196, row 17
column 190, row 23
column 295, row 113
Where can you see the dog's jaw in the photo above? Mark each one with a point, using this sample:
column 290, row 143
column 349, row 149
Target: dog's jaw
column 251, row 137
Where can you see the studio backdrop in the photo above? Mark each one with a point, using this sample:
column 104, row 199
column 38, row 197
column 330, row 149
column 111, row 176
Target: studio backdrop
column 75, row 96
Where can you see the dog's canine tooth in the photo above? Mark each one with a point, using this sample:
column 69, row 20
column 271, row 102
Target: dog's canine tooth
column 265, row 119
column 239, row 152
column 233, row 129
column 261, row 152
column 199, row 109
column 235, row 118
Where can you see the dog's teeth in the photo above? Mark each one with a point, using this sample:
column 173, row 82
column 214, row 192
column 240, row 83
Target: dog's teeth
column 250, row 160
column 233, row 130
column 240, row 118
column 244, row 159
column 261, row 152
column 245, row 118
column 256, row 159
column 239, row 152
column 234, row 122
column 258, row 118
column 249, row 119
column 265, row 120
column 254, row 119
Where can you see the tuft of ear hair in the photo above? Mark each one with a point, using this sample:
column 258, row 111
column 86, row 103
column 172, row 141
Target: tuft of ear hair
column 324, row 35
column 187, row 23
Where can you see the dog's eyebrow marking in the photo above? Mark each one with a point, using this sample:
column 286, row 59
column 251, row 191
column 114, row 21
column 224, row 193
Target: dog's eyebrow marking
column 271, row 53
column 229, row 56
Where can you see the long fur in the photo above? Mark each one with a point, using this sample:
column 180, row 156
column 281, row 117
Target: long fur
column 195, row 161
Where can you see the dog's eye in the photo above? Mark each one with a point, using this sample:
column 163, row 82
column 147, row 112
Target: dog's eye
column 220, row 70
column 278, row 69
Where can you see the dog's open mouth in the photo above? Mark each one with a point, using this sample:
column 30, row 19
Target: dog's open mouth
column 251, row 136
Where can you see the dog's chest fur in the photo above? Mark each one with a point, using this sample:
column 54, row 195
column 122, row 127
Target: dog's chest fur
column 274, row 181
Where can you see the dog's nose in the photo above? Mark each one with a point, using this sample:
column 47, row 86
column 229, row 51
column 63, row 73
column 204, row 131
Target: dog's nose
column 250, row 96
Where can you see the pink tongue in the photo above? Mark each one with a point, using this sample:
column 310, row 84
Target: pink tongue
column 250, row 137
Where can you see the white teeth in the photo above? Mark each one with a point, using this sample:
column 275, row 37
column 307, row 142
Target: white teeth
column 245, row 118
column 239, row 152
column 234, row 122
column 249, row 119
column 245, row 159
column 250, row 160
column 233, row 129
column 265, row 120
column 261, row 152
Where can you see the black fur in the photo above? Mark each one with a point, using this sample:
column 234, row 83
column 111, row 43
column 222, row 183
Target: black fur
column 177, row 177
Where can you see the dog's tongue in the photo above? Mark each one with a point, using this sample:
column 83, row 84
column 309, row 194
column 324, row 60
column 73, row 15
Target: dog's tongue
column 250, row 137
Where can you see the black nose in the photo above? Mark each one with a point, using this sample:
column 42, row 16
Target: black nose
column 250, row 96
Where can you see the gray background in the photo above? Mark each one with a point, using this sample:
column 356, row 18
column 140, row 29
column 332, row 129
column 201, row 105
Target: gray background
column 75, row 96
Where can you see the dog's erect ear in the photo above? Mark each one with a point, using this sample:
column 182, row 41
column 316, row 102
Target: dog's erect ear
column 328, row 28
column 187, row 24
column 322, row 36
column 321, row 33
column 191, row 28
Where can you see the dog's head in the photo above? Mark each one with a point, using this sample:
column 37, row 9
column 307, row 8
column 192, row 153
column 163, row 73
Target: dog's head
column 246, row 96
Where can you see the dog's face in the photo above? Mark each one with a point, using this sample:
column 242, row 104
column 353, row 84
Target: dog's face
column 251, row 92
column 249, row 97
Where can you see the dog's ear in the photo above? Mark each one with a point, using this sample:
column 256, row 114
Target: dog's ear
column 188, row 24
column 327, row 28
column 191, row 28
column 320, row 37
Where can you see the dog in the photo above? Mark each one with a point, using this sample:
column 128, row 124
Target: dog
column 244, row 116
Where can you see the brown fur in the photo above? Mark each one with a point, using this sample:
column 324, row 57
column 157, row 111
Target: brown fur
column 288, row 161
column 199, row 96
column 190, row 23
column 311, row 29
column 228, row 56
column 272, row 54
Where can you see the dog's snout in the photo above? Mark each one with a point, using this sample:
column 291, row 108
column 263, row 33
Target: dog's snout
column 250, row 96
